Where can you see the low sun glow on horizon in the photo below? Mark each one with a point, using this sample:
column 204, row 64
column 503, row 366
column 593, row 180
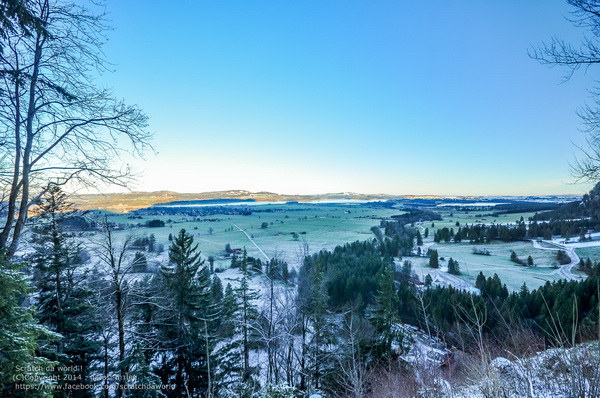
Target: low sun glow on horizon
column 307, row 98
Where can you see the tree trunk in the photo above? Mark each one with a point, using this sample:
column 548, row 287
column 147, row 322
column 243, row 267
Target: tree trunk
column 105, row 384
column 121, row 326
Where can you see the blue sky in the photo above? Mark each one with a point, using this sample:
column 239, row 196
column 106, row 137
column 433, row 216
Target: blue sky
column 363, row 96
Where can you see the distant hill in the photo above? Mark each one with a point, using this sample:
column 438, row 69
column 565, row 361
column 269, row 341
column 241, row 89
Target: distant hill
column 124, row 202
column 587, row 206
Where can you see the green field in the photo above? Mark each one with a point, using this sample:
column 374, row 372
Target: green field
column 592, row 252
column 324, row 227
column 320, row 227
column 498, row 262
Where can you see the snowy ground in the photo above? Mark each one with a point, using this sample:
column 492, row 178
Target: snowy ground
column 565, row 271
column 554, row 373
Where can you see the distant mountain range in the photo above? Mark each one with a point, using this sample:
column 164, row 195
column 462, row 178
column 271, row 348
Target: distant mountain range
column 124, row 202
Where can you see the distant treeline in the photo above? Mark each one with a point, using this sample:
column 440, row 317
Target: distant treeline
column 508, row 208
column 194, row 211
column 415, row 215
column 204, row 202
column 587, row 207
column 484, row 233
column 523, row 207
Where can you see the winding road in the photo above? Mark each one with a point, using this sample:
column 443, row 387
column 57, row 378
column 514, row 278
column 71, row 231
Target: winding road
column 565, row 270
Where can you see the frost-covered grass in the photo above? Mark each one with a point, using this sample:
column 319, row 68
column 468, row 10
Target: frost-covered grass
column 498, row 262
column 450, row 217
column 321, row 227
column 324, row 227
column 592, row 252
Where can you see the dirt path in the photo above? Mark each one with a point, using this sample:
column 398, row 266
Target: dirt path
column 251, row 240
column 565, row 270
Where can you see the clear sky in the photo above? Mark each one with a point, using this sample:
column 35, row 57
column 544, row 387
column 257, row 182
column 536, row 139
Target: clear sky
column 366, row 96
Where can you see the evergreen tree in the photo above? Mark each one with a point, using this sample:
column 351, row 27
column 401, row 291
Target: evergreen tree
column 322, row 328
column 151, row 243
column 228, row 309
column 216, row 290
column 187, row 327
column 385, row 316
column 434, row 259
column 480, row 281
column 235, row 375
column 140, row 373
column 428, row 280
column 247, row 319
column 19, row 333
column 140, row 263
column 453, row 267
column 145, row 319
column 64, row 297
column 228, row 373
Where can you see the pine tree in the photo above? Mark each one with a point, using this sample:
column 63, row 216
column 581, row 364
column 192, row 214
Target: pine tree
column 211, row 262
column 19, row 333
column 151, row 243
column 453, row 267
column 216, row 290
column 187, row 328
column 140, row 373
column 140, row 263
column 385, row 316
column 480, row 281
column 228, row 373
column 240, row 322
column 323, row 334
column 145, row 319
column 428, row 280
column 228, row 309
column 247, row 319
column 64, row 297
column 433, row 259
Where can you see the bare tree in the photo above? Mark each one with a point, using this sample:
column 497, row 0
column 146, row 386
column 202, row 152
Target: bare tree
column 474, row 317
column 56, row 125
column 105, row 317
column 352, row 365
column 423, row 308
column 289, row 325
column 118, row 267
column 557, row 52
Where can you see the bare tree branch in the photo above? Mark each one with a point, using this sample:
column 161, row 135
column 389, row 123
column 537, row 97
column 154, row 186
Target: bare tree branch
column 56, row 124
column 559, row 53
